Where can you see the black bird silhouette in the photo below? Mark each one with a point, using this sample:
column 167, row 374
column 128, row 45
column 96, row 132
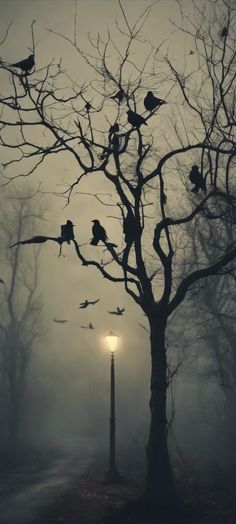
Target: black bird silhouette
column 197, row 179
column 25, row 65
column 119, row 311
column 224, row 32
column 115, row 141
column 88, row 106
column 99, row 234
column 135, row 120
column 59, row 321
column 90, row 326
column 1, row 281
column 87, row 303
column 151, row 101
column 120, row 95
column 191, row 52
column 67, row 233
column 129, row 228
column 114, row 129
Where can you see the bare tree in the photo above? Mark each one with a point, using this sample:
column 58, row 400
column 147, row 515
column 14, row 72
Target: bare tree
column 214, row 306
column 20, row 311
column 143, row 165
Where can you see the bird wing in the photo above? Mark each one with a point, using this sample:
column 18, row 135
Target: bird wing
column 112, row 312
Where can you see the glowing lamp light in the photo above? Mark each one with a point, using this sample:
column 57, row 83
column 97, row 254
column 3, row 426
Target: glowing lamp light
column 112, row 340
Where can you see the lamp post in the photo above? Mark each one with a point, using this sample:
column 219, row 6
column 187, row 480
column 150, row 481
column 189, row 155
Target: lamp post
column 112, row 474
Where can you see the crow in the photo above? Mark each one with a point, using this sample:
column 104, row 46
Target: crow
column 59, row 321
column 224, row 32
column 67, row 233
column 197, row 179
column 87, row 303
column 119, row 311
column 90, row 326
column 99, row 234
column 129, row 228
column 151, row 101
column 114, row 129
column 120, row 95
column 115, row 141
column 25, row 65
column 88, row 106
column 135, row 120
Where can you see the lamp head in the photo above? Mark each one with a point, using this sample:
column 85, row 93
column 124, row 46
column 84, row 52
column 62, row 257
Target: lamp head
column 112, row 340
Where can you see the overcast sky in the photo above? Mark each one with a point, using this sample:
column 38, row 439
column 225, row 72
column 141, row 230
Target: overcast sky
column 64, row 281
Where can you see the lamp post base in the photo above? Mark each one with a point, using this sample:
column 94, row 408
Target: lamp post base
column 112, row 477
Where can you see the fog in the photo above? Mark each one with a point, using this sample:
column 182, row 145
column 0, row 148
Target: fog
column 67, row 393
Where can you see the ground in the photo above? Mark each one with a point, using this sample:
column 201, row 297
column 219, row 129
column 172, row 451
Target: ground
column 90, row 501
column 67, row 486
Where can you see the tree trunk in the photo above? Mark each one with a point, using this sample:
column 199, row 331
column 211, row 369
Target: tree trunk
column 160, row 491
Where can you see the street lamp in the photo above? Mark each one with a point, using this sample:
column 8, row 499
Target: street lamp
column 112, row 474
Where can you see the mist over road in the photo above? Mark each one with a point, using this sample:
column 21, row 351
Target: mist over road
column 27, row 491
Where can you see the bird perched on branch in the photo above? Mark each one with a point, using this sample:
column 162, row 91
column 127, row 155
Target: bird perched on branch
column 197, row 179
column 114, row 129
column 88, row 106
column 67, row 233
column 224, row 32
column 129, row 228
column 135, row 119
column 25, row 65
column 119, row 311
column 152, row 102
column 120, row 95
column 87, row 303
column 90, row 326
column 99, row 234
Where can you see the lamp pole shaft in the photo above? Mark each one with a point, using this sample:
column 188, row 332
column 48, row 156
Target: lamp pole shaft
column 112, row 461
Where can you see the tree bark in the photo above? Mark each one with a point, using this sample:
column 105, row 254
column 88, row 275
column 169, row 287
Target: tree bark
column 160, row 491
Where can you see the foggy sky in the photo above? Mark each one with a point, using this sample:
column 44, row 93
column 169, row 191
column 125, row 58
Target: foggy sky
column 64, row 282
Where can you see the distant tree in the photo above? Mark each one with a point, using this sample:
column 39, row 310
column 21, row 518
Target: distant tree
column 20, row 311
column 213, row 305
column 145, row 159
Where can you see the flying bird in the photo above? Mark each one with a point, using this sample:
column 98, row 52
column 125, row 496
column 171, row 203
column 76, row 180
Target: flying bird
column 197, row 179
column 152, row 102
column 120, row 95
column 90, row 326
column 119, row 311
column 135, row 119
column 224, row 32
column 67, row 233
column 87, row 303
column 59, row 321
column 99, row 234
column 1, row 281
column 25, row 65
